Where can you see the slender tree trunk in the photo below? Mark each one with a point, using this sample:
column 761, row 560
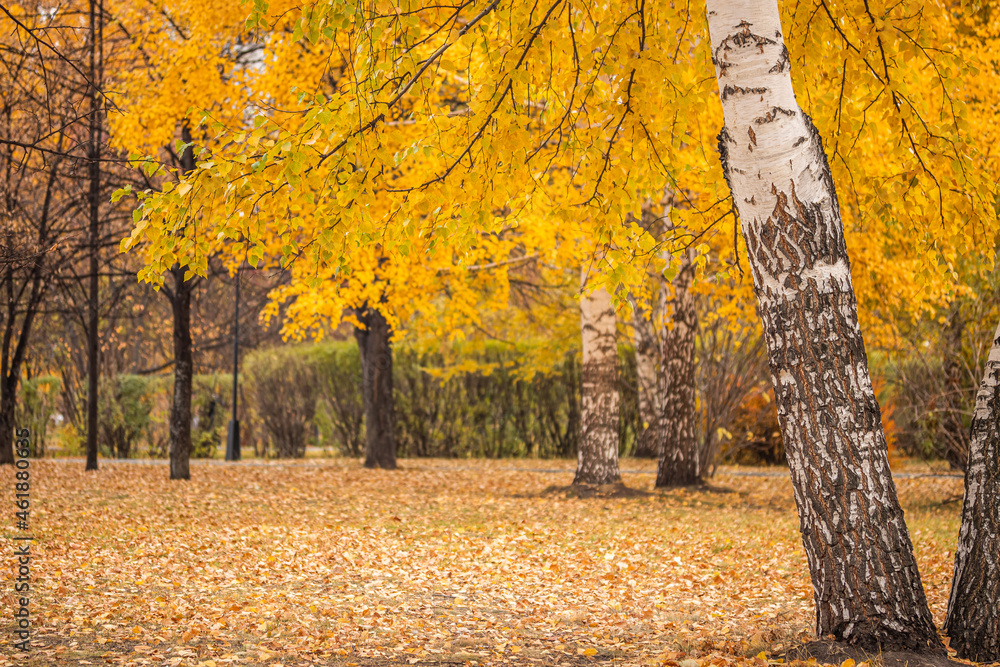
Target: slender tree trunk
column 973, row 621
column 680, row 461
column 597, row 459
column 8, row 390
column 376, row 389
column 8, row 400
column 10, row 367
column 93, row 345
column 648, row 324
column 867, row 587
column 180, row 409
column 180, row 303
column 94, row 169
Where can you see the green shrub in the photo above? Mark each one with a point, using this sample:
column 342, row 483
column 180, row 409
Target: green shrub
column 340, row 413
column 462, row 401
column 492, row 411
column 35, row 406
column 125, row 404
column 629, row 417
column 281, row 384
column 932, row 418
column 210, row 411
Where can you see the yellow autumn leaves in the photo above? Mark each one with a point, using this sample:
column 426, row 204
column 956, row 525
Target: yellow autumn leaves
column 379, row 151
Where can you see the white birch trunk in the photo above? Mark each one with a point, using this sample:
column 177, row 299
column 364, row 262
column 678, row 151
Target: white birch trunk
column 973, row 621
column 597, row 460
column 867, row 587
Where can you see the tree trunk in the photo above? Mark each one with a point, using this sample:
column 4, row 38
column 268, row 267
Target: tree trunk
column 973, row 620
column 94, row 170
column 8, row 400
column 376, row 389
column 14, row 348
column 597, row 459
column 180, row 303
column 648, row 324
column 180, row 409
column 680, row 461
column 867, row 587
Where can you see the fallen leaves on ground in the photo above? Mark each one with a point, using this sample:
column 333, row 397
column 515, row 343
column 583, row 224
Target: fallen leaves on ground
column 447, row 562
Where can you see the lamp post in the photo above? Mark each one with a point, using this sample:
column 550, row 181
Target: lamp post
column 233, row 441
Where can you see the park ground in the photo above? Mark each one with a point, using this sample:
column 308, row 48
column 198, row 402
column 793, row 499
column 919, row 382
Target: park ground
column 322, row 562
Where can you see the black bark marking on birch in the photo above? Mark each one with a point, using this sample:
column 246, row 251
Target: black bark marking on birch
column 734, row 90
column 375, row 347
column 723, row 140
column 783, row 60
column 745, row 37
column 774, row 114
column 973, row 620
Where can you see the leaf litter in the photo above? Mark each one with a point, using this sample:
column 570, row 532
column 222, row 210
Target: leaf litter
column 441, row 562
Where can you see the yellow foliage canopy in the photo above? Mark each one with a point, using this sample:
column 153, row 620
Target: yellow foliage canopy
column 376, row 148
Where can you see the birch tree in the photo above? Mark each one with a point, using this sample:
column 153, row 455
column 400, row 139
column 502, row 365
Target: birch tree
column 973, row 620
column 665, row 360
column 680, row 462
column 597, row 458
column 867, row 588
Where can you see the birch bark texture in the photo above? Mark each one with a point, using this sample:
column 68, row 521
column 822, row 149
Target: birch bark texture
column 973, row 620
column 867, row 588
column 680, row 461
column 597, row 455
